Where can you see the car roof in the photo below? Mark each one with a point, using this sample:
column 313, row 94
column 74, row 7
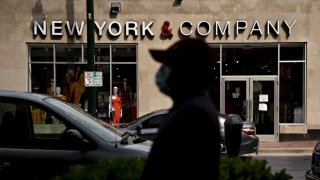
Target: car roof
column 165, row 111
column 23, row 95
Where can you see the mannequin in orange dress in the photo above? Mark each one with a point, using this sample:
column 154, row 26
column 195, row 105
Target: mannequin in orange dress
column 116, row 106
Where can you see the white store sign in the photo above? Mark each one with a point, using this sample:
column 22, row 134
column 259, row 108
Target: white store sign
column 93, row 79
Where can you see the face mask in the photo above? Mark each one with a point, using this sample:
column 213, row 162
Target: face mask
column 161, row 79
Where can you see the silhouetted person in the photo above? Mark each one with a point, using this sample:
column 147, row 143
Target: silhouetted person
column 188, row 141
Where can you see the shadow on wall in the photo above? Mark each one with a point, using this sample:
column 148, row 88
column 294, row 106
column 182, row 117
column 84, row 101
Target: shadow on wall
column 38, row 15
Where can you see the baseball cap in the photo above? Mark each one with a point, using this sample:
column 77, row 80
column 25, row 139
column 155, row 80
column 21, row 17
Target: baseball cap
column 186, row 52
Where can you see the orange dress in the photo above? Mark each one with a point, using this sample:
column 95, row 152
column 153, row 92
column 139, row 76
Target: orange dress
column 117, row 105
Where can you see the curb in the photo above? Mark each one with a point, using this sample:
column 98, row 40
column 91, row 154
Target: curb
column 283, row 152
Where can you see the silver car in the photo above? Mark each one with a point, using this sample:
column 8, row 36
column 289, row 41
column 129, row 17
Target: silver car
column 147, row 126
column 42, row 136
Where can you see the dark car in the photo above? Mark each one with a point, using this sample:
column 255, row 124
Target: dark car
column 314, row 172
column 147, row 126
column 42, row 136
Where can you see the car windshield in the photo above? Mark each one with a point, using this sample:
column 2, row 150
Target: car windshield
column 134, row 121
column 95, row 125
column 143, row 116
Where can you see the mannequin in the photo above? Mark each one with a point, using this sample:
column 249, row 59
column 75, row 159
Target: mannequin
column 115, row 106
column 59, row 95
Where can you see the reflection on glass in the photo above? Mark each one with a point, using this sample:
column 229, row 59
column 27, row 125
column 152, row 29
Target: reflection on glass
column 43, row 83
column 42, row 54
column 292, row 52
column 235, row 98
column 103, row 93
column 263, row 106
column 214, row 90
column 68, row 83
column 291, row 93
column 124, row 53
column 68, row 53
column 102, row 54
column 250, row 60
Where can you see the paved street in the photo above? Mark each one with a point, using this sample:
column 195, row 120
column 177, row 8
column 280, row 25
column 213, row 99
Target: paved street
column 296, row 166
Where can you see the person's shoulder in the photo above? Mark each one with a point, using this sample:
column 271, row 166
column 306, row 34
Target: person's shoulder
column 199, row 102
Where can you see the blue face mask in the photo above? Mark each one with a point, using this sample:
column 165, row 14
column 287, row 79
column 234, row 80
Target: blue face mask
column 161, row 79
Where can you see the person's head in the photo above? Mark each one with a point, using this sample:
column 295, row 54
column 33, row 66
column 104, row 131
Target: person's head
column 186, row 66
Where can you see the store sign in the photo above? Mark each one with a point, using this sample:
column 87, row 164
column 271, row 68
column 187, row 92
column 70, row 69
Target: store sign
column 114, row 28
column 239, row 27
column 186, row 28
column 93, row 79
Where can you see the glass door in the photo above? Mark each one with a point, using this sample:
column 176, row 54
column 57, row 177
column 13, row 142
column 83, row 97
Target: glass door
column 254, row 99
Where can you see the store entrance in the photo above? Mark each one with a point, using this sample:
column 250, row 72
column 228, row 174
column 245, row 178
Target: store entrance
column 254, row 99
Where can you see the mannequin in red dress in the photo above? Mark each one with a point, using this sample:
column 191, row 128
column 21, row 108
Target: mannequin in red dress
column 116, row 106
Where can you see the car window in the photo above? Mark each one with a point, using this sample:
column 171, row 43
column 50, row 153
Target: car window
column 46, row 125
column 28, row 125
column 153, row 122
column 97, row 126
column 14, row 123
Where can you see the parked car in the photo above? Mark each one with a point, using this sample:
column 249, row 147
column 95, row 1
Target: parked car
column 314, row 172
column 147, row 126
column 42, row 136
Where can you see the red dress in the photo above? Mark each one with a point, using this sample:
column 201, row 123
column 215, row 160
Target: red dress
column 117, row 105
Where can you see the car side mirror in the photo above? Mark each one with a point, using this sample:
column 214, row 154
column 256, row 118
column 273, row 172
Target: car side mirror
column 139, row 128
column 75, row 139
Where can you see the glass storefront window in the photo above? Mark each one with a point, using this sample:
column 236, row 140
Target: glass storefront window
column 124, row 53
column 42, row 53
column 124, row 100
column 43, row 83
column 52, row 66
column 250, row 59
column 292, row 92
column 64, row 76
column 68, row 53
column 102, row 54
column 214, row 90
column 292, row 52
column 103, row 93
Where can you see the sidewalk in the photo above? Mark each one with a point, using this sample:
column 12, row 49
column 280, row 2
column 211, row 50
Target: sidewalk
column 286, row 148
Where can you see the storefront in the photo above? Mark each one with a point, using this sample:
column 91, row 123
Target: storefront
column 62, row 66
column 267, row 56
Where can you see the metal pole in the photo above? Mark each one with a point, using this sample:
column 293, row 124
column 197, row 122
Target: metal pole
column 90, row 48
